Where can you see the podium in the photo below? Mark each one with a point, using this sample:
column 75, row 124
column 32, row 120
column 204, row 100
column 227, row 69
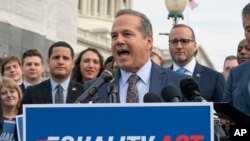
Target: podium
column 227, row 111
column 118, row 122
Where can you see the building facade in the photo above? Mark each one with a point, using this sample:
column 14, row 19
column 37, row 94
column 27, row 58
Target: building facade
column 83, row 23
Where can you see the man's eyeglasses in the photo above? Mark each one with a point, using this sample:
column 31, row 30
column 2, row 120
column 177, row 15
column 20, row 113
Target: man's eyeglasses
column 182, row 41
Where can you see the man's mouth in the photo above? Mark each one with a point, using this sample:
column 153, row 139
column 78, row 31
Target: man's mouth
column 123, row 52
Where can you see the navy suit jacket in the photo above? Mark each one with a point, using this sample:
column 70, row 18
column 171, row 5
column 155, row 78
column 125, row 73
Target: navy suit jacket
column 41, row 93
column 237, row 92
column 210, row 82
column 160, row 78
column 22, row 87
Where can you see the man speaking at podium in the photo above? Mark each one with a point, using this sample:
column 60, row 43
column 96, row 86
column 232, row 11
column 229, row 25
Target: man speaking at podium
column 132, row 41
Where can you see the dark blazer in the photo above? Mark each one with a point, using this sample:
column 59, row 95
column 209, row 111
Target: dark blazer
column 41, row 93
column 160, row 78
column 22, row 87
column 237, row 92
column 210, row 82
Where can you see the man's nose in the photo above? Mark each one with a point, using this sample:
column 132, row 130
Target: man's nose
column 120, row 39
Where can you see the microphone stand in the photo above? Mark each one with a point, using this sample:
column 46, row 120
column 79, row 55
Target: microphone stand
column 112, row 90
column 112, row 98
column 95, row 98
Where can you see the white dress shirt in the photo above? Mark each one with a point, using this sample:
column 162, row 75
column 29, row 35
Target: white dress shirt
column 142, row 84
column 64, row 84
column 189, row 67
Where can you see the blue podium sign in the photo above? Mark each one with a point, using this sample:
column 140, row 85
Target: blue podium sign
column 118, row 122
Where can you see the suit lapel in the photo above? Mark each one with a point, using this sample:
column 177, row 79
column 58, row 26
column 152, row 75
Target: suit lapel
column 198, row 71
column 22, row 88
column 73, row 92
column 156, row 79
column 47, row 96
column 245, row 80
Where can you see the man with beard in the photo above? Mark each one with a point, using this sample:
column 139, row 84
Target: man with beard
column 183, row 49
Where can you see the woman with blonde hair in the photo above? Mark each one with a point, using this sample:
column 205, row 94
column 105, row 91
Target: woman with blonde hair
column 10, row 96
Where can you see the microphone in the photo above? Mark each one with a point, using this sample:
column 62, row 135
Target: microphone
column 151, row 98
column 170, row 94
column 191, row 90
column 112, row 91
column 105, row 77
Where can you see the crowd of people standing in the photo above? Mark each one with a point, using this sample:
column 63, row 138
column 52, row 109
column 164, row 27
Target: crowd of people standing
column 136, row 68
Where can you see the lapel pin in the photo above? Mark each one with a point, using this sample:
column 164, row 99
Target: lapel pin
column 198, row 75
column 73, row 89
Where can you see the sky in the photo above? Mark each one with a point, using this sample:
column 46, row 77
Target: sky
column 217, row 25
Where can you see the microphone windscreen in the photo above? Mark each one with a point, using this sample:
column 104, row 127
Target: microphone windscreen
column 189, row 88
column 169, row 92
column 107, row 75
column 151, row 98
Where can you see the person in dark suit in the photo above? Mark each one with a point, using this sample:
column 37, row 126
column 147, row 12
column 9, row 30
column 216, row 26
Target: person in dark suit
column 131, row 47
column 243, row 51
column 59, row 88
column 237, row 90
column 32, row 68
column 183, row 49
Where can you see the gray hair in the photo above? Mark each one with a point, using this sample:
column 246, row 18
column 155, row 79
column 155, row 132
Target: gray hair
column 145, row 28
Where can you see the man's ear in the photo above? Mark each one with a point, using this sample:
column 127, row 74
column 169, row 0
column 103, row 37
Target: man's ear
column 149, row 42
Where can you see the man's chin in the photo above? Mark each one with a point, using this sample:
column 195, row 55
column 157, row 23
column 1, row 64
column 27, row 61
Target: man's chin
column 60, row 75
column 180, row 60
column 126, row 67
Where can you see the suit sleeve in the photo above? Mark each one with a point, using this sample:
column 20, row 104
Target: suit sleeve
column 227, row 97
column 220, row 87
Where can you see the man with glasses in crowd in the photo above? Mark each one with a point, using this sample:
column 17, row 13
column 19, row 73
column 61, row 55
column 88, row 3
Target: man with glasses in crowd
column 183, row 49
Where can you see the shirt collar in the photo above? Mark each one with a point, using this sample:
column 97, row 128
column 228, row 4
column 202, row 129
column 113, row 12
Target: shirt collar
column 190, row 66
column 143, row 73
column 64, row 84
column 26, row 84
